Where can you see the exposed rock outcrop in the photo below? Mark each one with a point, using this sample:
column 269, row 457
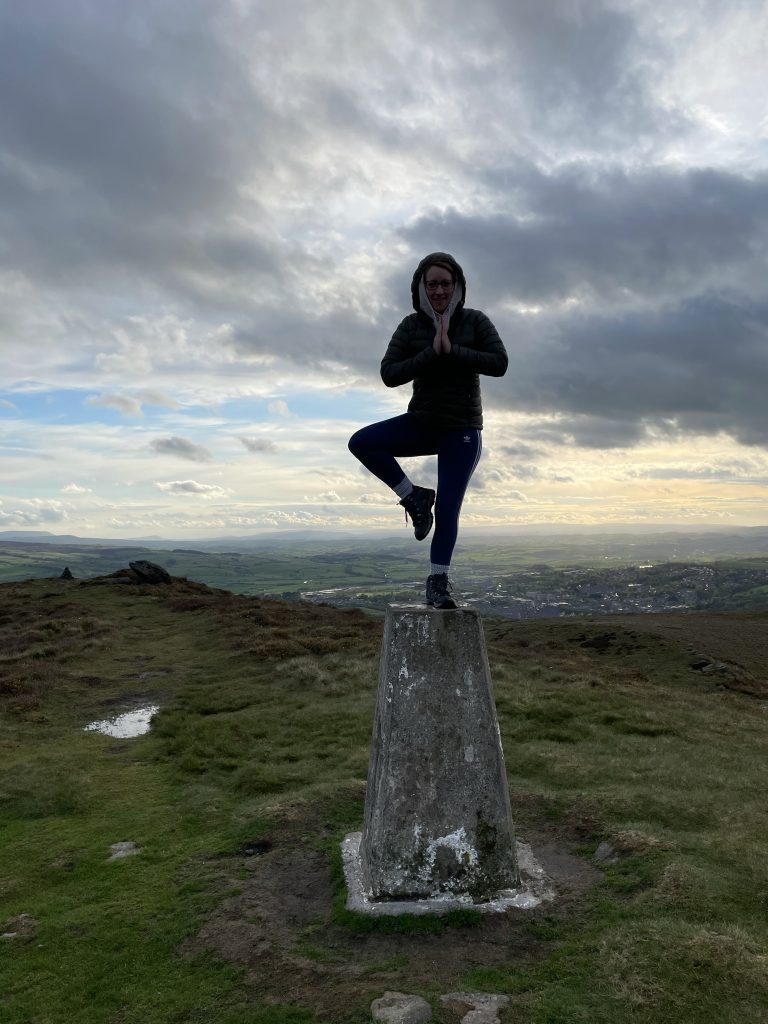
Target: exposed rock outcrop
column 148, row 572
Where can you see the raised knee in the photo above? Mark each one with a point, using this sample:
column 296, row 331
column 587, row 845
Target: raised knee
column 354, row 443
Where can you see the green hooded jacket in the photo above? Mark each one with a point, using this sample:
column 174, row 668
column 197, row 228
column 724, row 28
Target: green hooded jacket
column 446, row 387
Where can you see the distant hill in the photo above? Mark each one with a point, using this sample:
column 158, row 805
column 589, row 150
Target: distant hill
column 46, row 537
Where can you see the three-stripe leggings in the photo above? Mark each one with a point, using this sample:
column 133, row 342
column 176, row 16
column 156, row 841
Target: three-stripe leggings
column 458, row 452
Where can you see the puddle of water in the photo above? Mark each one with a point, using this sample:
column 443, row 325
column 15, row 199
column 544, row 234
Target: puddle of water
column 127, row 725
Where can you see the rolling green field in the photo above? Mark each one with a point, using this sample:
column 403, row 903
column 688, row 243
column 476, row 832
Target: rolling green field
column 254, row 769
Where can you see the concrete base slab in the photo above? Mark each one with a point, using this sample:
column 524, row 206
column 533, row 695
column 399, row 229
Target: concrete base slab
column 535, row 888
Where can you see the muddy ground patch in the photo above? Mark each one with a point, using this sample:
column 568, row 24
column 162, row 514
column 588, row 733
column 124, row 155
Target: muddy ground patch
column 280, row 926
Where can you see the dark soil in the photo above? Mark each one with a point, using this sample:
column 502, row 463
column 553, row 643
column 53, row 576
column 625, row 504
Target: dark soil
column 280, row 925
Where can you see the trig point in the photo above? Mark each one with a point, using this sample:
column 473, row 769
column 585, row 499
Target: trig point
column 437, row 815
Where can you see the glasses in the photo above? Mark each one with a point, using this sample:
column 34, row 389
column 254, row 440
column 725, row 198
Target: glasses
column 432, row 286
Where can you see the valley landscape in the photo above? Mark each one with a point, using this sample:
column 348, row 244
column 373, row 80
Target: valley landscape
column 517, row 577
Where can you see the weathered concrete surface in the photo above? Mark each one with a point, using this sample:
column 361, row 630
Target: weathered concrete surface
column 535, row 888
column 437, row 813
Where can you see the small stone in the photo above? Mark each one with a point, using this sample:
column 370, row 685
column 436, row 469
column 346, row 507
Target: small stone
column 481, row 1017
column 22, row 927
column 120, row 850
column 714, row 666
column 700, row 662
column 485, row 1001
column 399, row 1008
column 605, row 854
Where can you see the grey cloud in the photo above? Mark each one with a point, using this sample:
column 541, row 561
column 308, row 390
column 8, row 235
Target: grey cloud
column 142, row 156
column 586, row 431
column 158, row 398
column 149, row 161
column 606, row 234
column 590, row 431
column 131, row 404
column 148, row 156
column 124, row 102
column 585, row 69
column 125, row 144
column 735, row 471
column 496, row 476
column 33, row 513
column 340, row 337
column 521, row 451
column 522, row 472
column 699, row 367
column 258, row 445
column 182, row 448
column 128, row 405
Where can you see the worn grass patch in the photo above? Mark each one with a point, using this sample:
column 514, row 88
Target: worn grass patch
column 255, row 768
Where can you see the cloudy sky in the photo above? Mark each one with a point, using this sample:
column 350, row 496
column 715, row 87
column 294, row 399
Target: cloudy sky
column 211, row 211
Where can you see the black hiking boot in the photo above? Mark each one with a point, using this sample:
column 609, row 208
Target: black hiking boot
column 418, row 505
column 438, row 592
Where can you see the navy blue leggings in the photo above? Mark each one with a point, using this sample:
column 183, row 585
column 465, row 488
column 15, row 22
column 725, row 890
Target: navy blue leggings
column 457, row 451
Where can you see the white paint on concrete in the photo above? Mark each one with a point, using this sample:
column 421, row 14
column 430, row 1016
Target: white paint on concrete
column 457, row 842
column 535, row 888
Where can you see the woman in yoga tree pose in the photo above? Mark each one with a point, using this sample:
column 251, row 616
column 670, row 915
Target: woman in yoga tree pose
column 442, row 348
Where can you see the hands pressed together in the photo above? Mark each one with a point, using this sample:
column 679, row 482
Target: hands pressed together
column 442, row 343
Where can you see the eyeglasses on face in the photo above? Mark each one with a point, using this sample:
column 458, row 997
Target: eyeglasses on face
column 432, row 286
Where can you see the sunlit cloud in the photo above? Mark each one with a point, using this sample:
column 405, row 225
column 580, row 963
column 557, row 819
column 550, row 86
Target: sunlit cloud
column 279, row 408
column 187, row 487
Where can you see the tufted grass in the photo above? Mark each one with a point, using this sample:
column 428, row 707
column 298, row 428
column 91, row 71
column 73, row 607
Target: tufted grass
column 265, row 719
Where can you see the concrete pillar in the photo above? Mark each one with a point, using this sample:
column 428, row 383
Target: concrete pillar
column 437, row 813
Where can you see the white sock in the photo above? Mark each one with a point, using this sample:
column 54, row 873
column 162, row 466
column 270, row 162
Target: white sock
column 438, row 570
column 404, row 488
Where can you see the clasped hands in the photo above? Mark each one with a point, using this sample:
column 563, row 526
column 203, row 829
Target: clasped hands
column 442, row 343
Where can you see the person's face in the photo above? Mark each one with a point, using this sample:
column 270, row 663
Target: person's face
column 439, row 285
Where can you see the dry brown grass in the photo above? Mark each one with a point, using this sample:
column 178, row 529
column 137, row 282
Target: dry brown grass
column 274, row 629
column 38, row 634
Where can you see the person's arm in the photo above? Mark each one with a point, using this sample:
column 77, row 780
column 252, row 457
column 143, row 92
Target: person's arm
column 398, row 366
column 490, row 356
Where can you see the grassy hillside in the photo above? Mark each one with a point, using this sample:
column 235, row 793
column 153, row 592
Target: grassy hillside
column 232, row 911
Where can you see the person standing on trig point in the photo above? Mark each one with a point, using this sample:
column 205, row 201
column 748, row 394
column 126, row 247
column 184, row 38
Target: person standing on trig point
column 442, row 348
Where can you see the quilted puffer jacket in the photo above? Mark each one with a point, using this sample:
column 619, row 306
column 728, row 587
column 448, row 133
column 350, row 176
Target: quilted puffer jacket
column 446, row 387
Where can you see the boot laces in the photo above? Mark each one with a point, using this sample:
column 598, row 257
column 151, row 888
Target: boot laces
column 417, row 512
